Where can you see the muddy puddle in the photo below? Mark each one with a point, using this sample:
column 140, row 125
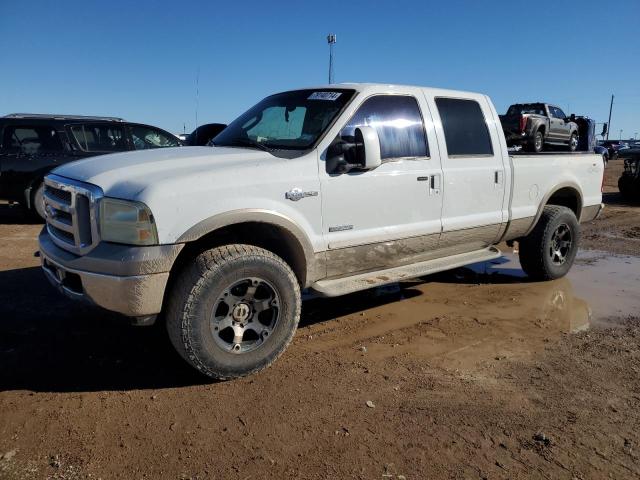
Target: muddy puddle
column 476, row 315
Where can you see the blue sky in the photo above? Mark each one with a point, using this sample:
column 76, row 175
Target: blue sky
column 139, row 60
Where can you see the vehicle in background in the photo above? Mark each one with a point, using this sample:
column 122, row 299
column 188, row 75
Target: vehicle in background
column 31, row 145
column 182, row 136
column 337, row 189
column 613, row 146
column 602, row 151
column 536, row 125
column 202, row 135
column 629, row 181
column 587, row 141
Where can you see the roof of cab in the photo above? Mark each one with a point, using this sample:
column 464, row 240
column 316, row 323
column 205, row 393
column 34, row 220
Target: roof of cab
column 389, row 87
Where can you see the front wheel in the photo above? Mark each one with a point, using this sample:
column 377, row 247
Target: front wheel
column 37, row 202
column 549, row 250
column 233, row 310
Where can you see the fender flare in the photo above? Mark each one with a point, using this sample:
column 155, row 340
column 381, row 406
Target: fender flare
column 314, row 263
column 550, row 194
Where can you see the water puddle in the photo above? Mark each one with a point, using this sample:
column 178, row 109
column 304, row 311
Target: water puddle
column 479, row 313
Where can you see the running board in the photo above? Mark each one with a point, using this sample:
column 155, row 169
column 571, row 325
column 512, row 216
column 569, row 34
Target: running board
column 363, row 281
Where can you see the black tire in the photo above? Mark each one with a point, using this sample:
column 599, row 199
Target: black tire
column 573, row 142
column 206, row 285
column 37, row 202
column 537, row 142
column 539, row 255
column 627, row 185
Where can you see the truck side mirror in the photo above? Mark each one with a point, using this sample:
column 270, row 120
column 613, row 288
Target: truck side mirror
column 605, row 128
column 572, row 117
column 368, row 144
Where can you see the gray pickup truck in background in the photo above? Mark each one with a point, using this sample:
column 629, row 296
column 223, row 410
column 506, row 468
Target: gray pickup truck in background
column 535, row 125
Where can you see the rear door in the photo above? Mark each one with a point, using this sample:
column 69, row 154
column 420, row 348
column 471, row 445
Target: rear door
column 28, row 151
column 99, row 138
column 388, row 215
column 473, row 171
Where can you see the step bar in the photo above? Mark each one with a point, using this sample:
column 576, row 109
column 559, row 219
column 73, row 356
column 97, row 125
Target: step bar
column 363, row 281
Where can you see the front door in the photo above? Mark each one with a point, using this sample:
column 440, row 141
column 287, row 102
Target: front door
column 389, row 215
column 473, row 172
column 558, row 131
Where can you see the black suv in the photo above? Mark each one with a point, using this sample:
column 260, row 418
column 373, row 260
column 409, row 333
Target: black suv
column 33, row 144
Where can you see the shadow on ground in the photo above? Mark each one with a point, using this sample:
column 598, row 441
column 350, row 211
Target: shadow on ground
column 14, row 214
column 49, row 343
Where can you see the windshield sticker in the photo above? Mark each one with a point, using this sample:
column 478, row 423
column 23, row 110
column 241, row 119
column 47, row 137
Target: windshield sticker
column 330, row 96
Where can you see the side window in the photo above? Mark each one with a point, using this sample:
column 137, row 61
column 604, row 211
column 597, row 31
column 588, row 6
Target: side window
column 465, row 129
column 559, row 113
column 147, row 137
column 99, row 138
column 397, row 120
column 31, row 139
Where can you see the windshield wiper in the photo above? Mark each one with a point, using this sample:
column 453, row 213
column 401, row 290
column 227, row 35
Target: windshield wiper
column 241, row 142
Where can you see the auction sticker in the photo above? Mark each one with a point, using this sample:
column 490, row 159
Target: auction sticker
column 330, row 96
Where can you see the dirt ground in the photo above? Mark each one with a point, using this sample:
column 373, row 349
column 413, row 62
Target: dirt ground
column 475, row 373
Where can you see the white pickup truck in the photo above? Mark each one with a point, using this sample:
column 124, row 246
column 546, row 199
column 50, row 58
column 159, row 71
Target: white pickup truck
column 335, row 189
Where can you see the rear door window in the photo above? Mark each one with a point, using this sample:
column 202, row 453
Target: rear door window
column 465, row 128
column 100, row 138
column 30, row 140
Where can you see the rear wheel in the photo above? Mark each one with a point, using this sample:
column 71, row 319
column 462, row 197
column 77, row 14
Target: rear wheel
column 233, row 310
column 549, row 250
column 626, row 187
column 573, row 142
column 537, row 142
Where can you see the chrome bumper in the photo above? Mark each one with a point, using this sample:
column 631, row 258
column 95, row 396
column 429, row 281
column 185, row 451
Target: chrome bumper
column 132, row 295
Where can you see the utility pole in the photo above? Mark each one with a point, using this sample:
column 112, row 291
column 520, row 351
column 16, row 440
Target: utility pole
column 609, row 125
column 331, row 40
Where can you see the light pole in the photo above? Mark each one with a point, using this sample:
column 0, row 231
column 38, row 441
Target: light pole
column 635, row 136
column 609, row 124
column 620, row 134
column 331, row 40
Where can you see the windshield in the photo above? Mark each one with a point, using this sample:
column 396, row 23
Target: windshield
column 521, row 109
column 289, row 121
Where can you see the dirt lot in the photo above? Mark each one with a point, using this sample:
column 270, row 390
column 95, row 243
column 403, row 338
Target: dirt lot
column 475, row 373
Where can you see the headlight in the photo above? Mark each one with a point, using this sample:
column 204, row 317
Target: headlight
column 127, row 222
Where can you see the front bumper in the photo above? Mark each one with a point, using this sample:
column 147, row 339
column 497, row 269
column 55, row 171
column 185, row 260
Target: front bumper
column 124, row 279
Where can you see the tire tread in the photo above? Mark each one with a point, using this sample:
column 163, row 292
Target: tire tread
column 187, row 288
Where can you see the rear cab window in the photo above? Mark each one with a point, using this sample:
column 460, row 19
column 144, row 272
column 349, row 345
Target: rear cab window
column 99, row 137
column 30, row 139
column 465, row 128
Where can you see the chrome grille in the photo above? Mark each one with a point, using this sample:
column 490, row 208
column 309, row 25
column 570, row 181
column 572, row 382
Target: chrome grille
column 71, row 210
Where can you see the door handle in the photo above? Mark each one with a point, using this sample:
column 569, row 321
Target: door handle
column 434, row 186
column 498, row 177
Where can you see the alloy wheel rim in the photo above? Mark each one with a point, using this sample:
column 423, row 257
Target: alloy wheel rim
column 561, row 243
column 574, row 141
column 245, row 315
column 538, row 141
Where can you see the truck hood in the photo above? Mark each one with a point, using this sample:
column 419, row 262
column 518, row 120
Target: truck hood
column 128, row 174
